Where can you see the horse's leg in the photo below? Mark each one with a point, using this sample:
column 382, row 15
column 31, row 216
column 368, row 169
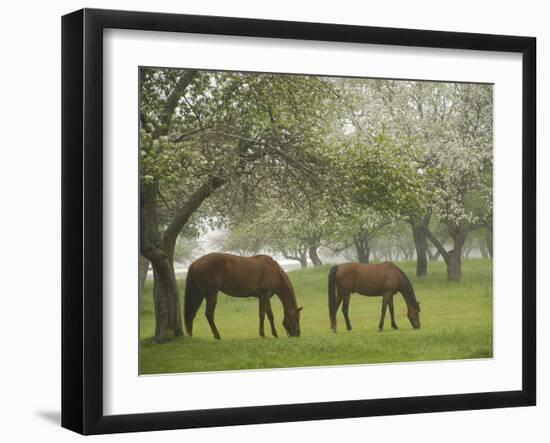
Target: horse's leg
column 211, row 301
column 385, row 301
column 345, row 310
column 262, row 304
column 337, row 305
column 271, row 318
column 392, row 314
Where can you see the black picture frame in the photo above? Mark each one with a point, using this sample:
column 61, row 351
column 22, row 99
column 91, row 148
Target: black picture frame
column 82, row 218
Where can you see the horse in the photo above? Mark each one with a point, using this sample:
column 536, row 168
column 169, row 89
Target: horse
column 259, row 276
column 384, row 279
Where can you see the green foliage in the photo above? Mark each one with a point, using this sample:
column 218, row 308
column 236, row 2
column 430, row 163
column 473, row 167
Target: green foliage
column 246, row 130
column 384, row 176
column 390, row 150
column 297, row 162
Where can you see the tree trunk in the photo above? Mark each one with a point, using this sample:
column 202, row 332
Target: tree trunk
column 421, row 243
column 453, row 258
column 361, row 242
column 300, row 257
column 454, row 261
column 454, row 266
column 160, row 253
column 482, row 248
column 158, row 246
column 303, row 258
column 143, row 268
column 167, row 301
column 314, row 257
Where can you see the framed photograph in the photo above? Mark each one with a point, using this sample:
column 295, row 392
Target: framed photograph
column 269, row 221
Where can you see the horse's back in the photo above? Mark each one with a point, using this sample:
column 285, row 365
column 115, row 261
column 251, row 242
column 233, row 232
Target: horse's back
column 368, row 279
column 235, row 275
column 212, row 264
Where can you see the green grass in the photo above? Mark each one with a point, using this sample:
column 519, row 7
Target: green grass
column 457, row 323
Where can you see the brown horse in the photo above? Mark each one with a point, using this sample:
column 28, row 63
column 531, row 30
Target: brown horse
column 259, row 276
column 384, row 279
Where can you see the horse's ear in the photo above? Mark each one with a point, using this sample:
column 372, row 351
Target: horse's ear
column 300, row 308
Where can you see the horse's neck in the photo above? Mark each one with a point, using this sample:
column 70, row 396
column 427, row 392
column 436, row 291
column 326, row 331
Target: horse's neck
column 287, row 297
column 410, row 299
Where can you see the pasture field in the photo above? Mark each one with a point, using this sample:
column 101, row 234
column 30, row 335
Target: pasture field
column 457, row 323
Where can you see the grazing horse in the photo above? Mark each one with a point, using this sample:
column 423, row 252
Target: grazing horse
column 384, row 279
column 259, row 276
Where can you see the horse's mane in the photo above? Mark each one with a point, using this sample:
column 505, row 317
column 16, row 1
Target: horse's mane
column 283, row 275
column 409, row 287
column 285, row 280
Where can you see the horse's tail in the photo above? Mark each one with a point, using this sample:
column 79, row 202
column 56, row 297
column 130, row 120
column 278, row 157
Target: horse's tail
column 192, row 301
column 408, row 288
column 332, row 296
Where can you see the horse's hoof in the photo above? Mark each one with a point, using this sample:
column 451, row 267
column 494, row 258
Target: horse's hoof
column 217, row 337
column 380, row 329
column 349, row 328
column 395, row 327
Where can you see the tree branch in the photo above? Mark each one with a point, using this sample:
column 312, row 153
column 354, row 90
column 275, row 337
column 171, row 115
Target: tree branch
column 439, row 246
column 183, row 213
column 172, row 101
column 180, row 137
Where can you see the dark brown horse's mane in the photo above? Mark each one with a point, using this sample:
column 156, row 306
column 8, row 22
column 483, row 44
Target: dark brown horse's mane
column 281, row 270
column 410, row 289
column 284, row 276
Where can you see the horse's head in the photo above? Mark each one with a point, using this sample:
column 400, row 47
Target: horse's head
column 414, row 315
column 291, row 322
